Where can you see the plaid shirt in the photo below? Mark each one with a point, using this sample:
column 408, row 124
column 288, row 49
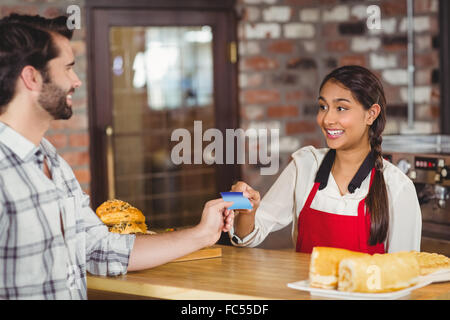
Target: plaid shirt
column 49, row 236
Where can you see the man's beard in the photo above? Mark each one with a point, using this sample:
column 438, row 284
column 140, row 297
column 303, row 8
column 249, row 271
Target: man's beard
column 54, row 100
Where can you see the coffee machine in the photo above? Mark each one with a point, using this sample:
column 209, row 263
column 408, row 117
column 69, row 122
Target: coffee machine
column 425, row 159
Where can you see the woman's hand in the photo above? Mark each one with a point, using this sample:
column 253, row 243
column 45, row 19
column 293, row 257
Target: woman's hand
column 244, row 223
column 249, row 193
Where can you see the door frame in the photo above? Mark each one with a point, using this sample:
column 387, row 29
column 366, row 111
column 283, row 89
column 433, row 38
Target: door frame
column 444, row 74
column 98, row 13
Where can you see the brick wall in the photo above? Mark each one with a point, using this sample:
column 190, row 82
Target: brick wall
column 70, row 137
column 285, row 49
column 287, row 46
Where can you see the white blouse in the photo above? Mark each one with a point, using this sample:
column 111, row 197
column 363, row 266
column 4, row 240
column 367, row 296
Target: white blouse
column 283, row 202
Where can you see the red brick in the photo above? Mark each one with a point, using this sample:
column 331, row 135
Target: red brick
column 328, row 2
column 434, row 26
column 393, row 8
column 301, row 2
column 300, row 127
column 28, row 9
column 261, row 96
column 53, row 12
column 402, row 60
column 422, row 77
column 282, row 111
column 82, row 175
column 329, row 30
column 356, row 59
column 435, row 95
column 301, row 63
column 255, row 80
column 338, row 45
column 79, row 139
column 58, row 140
column 394, row 47
column 435, row 112
column 395, row 43
column 76, row 158
column 309, row 3
column 295, row 95
column 282, row 46
column 76, row 122
column 392, row 93
column 260, row 63
column 426, row 60
column 423, row 6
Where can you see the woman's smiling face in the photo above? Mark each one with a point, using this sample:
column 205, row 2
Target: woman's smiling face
column 343, row 120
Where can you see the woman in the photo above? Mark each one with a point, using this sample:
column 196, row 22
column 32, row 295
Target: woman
column 344, row 196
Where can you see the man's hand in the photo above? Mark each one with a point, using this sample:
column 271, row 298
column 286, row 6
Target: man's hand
column 216, row 218
column 153, row 250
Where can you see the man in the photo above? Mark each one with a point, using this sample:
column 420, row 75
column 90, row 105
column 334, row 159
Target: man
column 49, row 236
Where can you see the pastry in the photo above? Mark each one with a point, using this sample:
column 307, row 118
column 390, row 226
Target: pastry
column 431, row 262
column 323, row 269
column 121, row 217
column 379, row 272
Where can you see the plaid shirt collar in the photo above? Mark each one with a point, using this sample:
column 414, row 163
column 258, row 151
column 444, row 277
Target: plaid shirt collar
column 24, row 148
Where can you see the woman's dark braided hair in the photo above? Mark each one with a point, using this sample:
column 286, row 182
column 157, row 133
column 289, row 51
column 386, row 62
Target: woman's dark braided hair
column 367, row 89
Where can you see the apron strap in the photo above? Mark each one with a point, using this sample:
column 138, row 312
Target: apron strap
column 312, row 194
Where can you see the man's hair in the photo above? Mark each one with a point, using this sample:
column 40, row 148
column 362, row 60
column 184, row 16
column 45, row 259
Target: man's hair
column 26, row 40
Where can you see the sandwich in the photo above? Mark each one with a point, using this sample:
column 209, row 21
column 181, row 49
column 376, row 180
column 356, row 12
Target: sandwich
column 121, row 217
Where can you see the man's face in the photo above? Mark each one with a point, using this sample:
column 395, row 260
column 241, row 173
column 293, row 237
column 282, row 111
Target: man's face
column 61, row 82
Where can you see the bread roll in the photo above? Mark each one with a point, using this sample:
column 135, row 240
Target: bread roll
column 121, row 217
column 324, row 265
column 378, row 273
column 128, row 227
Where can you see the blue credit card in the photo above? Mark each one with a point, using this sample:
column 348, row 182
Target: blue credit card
column 240, row 202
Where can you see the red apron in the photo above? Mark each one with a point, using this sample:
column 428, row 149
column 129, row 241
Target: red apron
column 322, row 229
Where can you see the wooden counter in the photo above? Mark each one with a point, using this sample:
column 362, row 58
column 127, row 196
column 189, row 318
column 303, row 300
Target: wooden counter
column 241, row 273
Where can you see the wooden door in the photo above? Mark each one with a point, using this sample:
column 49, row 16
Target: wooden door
column 154, row 69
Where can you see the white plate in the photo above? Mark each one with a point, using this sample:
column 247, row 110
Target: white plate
column 335, row 294
column 438, row 276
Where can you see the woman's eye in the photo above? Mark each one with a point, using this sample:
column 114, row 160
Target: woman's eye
column 322, row 107
column 341, row 108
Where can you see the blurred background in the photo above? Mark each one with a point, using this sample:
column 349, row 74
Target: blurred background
column 150, row 67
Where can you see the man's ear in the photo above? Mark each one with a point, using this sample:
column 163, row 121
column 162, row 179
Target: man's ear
column 372, row 113
column 31, row 78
